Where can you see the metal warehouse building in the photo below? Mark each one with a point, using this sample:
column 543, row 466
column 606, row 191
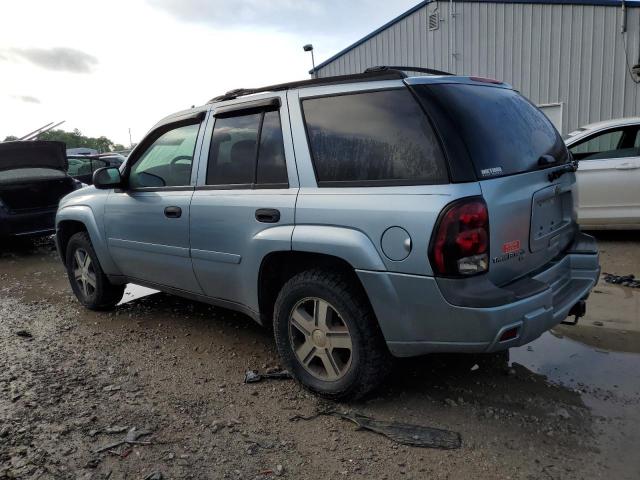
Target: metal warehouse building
column 574, row 59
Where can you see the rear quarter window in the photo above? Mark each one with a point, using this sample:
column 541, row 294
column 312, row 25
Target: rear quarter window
column 372, row 139
column 504, row 133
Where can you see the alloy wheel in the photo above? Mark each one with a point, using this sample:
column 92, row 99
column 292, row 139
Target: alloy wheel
column 320, row 339
column 83, row 272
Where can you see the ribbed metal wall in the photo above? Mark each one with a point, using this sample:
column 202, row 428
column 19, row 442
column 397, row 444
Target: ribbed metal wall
column 569, row 54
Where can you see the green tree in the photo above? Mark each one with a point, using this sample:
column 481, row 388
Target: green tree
column 76, row 139
column 102, row 144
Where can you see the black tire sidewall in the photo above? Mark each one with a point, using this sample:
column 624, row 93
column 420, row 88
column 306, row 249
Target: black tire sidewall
column 289, row 297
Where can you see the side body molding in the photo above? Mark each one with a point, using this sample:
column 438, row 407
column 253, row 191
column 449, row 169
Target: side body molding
column 348, row 244
column 84, row 214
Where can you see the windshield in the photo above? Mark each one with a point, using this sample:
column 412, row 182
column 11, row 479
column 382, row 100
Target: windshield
column 504, row 133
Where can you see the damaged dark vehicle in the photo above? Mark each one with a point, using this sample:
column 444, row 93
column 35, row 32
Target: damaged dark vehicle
column 33, row 179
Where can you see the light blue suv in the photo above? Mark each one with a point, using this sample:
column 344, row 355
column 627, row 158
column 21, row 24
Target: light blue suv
column 362, row 217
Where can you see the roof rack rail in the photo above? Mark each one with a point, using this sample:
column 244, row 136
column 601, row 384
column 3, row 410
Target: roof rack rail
column 387, row 73
column 384, row 68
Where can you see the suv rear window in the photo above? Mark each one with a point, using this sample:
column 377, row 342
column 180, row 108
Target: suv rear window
column 504, row 133
column 372, row 139
column 248, row 150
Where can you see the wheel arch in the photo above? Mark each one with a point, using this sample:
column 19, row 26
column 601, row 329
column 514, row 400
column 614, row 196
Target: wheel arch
column 279, row 267
column 64, row 231
column 349, row 244
column 73, row 219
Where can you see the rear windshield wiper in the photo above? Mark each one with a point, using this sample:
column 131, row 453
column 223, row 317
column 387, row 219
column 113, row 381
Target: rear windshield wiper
column 547, row 160
column 569, row 167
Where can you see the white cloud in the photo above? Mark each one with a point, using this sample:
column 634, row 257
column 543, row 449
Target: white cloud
column 154, row 57
column 58, row 58
column 26, row 98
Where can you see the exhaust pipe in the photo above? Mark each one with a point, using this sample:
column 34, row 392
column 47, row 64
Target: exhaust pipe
column 577, row 311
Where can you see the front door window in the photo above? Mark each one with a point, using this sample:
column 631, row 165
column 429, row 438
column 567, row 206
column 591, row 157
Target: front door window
column 615, row 143
column 168, row 161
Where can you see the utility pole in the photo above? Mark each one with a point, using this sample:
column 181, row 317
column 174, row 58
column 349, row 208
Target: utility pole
column 309, row 48
column 130, row 142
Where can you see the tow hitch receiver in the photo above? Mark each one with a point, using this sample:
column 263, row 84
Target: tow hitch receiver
column 577, row 311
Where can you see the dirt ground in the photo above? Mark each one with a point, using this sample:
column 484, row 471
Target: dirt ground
column 73, row 382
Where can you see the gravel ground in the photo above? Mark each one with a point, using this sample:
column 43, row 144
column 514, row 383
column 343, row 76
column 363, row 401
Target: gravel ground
column 74, row 382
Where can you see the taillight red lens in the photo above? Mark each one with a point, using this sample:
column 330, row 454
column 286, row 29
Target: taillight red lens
column 473, row 241
column 460, row 245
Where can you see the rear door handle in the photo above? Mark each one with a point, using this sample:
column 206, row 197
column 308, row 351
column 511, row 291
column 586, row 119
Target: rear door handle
column 268, row 215
column 173, row 212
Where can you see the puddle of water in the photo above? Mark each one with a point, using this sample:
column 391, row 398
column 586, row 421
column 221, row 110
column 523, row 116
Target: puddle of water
column 578, row 366
column 609, row 384
column 133, row 292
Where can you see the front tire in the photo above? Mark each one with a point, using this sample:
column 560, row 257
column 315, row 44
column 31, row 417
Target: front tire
column 328, row 337
column 88, row 282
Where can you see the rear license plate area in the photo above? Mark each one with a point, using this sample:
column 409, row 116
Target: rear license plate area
column 550, row 216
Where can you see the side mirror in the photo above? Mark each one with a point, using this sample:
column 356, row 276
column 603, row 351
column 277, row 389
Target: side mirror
column 106, row 178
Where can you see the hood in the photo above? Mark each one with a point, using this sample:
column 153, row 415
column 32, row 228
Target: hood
column 36, row 154
column 83, row 197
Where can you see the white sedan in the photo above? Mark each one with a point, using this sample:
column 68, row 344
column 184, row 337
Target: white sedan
column 608, row 155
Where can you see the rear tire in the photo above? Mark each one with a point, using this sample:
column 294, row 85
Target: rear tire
column 88, row 282
column 328, row 337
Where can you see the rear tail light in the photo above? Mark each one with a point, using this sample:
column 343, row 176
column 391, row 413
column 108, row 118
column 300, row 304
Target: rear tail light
column 460, row 244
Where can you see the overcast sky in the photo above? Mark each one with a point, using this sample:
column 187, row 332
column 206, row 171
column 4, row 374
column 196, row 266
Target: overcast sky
column 105, row 66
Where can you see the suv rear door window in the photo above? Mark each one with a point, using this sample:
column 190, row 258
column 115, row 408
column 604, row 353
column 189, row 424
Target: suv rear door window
column 271, row 161
column 504, row 133
column 372, row 138
column 234, row 153
column 232, row 156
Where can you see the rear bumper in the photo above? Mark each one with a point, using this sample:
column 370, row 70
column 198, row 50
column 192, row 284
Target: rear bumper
column 28, row 224
column 416, row 318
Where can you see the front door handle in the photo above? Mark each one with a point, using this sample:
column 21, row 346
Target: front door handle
column 173, row 212
column 268, row 215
